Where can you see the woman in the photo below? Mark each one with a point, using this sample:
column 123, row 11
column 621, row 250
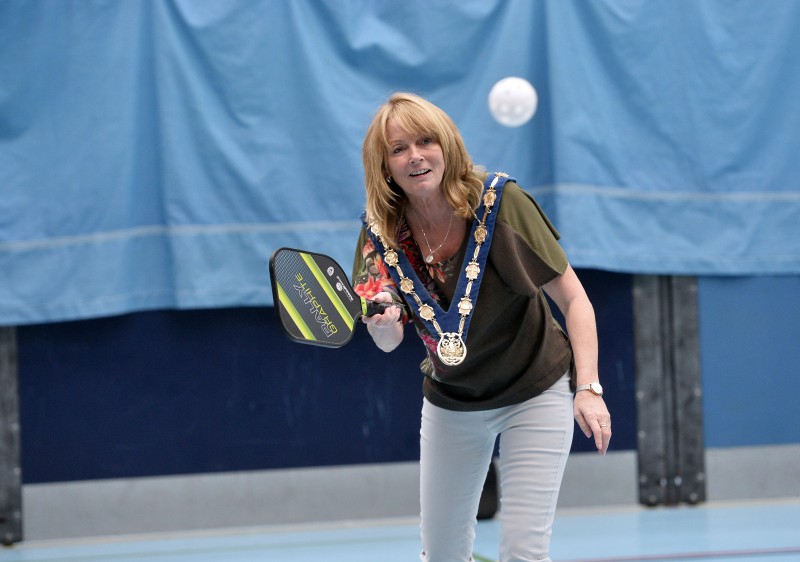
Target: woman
column 468, row 256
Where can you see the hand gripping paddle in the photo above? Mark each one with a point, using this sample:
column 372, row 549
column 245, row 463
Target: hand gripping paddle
column 314, row 300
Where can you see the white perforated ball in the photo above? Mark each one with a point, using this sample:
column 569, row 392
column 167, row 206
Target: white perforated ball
column 513, row 101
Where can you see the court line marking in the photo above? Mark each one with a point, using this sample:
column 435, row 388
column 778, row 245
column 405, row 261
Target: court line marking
column 695, row 555
column 143, row 551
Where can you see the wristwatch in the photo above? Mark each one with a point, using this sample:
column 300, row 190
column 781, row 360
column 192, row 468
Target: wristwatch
column 593, row 387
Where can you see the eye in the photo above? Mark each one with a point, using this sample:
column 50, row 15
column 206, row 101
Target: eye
column 397, row 149
column 427, row 140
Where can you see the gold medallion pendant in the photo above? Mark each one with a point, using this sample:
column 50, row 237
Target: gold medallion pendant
column 451, row 349
column 426, row 312
column 390, row 258
column 407, row 285
column 480, row 234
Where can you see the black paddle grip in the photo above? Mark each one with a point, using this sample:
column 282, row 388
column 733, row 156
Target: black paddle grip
column 374, row 308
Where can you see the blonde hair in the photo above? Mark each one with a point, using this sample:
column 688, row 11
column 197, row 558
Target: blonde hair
column 386, row 201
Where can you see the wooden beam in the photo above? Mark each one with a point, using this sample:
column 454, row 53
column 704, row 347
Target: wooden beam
column 10, row 472
column 671, row 454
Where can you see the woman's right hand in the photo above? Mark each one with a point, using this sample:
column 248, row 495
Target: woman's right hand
column 389, row 316
column 386, row 329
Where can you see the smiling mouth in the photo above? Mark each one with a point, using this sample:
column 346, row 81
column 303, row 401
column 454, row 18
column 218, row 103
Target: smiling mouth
column 420, row 172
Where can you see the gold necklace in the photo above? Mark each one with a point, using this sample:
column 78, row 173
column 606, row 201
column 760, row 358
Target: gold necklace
column 451, row 348
column 429, row 257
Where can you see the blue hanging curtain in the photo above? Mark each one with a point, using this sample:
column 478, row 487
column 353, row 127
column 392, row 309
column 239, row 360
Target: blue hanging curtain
column 153, row 154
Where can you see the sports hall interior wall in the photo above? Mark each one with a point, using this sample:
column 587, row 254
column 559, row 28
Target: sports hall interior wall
column 154, row 154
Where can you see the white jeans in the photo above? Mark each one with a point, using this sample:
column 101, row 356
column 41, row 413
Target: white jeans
column 455, row 451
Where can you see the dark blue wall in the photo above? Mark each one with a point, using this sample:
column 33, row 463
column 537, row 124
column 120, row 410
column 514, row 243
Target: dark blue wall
column 179, row 392
column 200, row 391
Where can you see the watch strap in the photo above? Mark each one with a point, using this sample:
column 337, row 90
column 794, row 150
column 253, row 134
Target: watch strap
column 590, row 388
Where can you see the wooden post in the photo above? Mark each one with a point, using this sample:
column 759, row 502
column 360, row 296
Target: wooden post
column 671, row 447
column 10, row 472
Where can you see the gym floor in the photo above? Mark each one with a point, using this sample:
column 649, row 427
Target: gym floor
column 764, row 531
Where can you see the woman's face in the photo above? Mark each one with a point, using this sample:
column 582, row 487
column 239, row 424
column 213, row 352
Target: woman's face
column 415, row 161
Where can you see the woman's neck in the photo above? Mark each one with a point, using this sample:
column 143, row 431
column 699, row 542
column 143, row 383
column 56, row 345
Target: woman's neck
column 436, row 228
column 429, row 212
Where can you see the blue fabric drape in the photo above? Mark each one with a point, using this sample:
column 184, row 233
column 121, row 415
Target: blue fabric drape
column 153, row 154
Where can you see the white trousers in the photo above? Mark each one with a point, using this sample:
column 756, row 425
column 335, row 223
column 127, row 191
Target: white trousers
column 455, row 451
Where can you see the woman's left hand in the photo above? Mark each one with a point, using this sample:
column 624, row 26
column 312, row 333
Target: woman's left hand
column 593, row 418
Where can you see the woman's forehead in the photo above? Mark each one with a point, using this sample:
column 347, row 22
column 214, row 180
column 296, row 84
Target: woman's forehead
column 403, row 127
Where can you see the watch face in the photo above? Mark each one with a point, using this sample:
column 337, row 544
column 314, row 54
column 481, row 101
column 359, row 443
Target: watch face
column 596, row 388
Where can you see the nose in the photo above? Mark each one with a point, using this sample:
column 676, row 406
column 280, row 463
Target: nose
column 415, row 156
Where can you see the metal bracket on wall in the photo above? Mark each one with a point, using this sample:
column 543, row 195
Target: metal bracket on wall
column 10, row 472
column 669, row 399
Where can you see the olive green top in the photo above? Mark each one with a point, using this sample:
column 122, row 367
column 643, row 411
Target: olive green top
column 515, row 348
